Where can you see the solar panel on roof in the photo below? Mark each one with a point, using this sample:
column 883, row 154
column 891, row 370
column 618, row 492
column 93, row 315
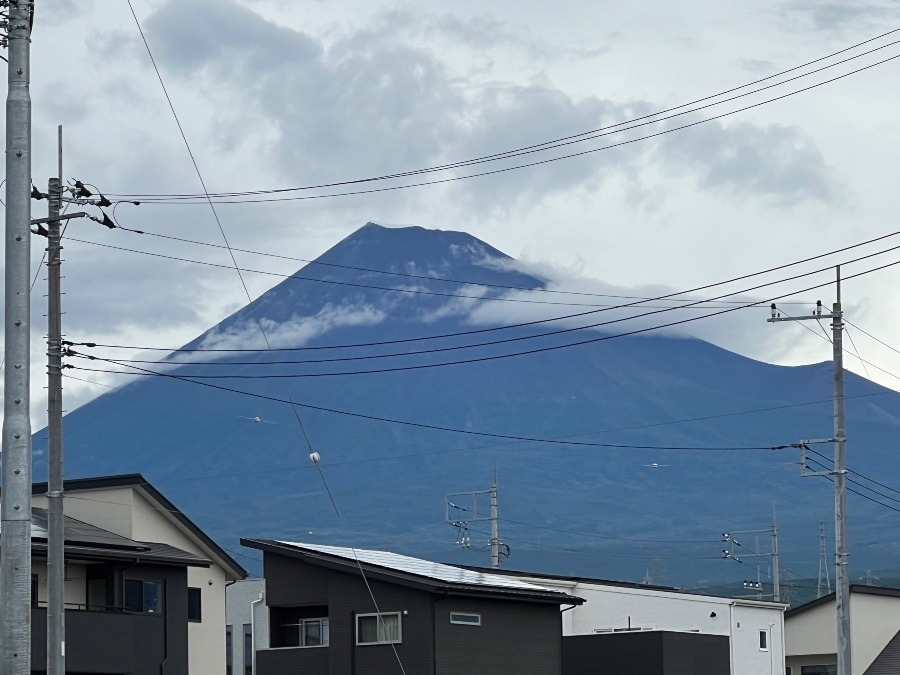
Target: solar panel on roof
column 422, row 568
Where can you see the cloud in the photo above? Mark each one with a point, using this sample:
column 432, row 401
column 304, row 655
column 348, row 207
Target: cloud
column 776, row 161
column 837, row 16
column 295, row 332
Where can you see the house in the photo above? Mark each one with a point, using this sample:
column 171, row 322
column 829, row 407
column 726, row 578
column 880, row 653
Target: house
column 246, row 625
column 811, row 633
column 754, row 629
column 342, row 610
column 143, row 563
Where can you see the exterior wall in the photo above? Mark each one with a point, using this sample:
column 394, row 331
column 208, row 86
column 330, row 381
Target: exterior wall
column 126, row 512
column 746, row 623
column 610, row 607
column 75, row 584
column 291, row 582
column 107, row 509
column 874, row 621
column 513, row 638
column 238, row 599
column 646, row 653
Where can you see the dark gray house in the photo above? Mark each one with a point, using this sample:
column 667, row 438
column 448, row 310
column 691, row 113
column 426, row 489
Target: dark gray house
column 127, row 601
column 336, row 610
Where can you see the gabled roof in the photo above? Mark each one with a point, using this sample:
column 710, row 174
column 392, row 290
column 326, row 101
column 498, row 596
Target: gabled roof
column 854, row 588
column 413, row 572
column 138, row 482
column 84, row 541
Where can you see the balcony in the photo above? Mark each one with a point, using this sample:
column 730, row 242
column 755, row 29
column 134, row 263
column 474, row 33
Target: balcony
column 103, row 642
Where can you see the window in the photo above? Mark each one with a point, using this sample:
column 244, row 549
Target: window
column 248, row 649
column 305, row 626
column 144, row 596
column 374, row 629
column 194, row 607
column 763, row 640
column 465, row 618
column 306, row 633
column 96, row 592
column 818, row 670
column 229, row 651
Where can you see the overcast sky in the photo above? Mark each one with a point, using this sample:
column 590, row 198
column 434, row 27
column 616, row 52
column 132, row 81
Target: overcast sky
column 279, row 93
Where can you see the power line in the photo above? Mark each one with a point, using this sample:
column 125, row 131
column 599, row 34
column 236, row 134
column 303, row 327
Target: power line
column 433, row 427
column 560, row 141
column 534, row 322
column 537, row 162
column 122, row 362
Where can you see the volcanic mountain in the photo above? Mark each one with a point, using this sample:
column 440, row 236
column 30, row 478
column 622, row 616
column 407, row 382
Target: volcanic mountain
column 393, row 352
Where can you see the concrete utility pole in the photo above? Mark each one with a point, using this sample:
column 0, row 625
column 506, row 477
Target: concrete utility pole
column 15, row 501
column 738, row 552
column 495, row 527
column 839, row 474
column 56, row 576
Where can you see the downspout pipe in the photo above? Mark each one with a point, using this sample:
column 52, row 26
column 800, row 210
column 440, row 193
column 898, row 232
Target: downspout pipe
column 253, row 604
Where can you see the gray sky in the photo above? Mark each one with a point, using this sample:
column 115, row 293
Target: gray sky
column 277, row 93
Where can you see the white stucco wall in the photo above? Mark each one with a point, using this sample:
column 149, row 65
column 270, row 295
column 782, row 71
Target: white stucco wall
column 874, row 620
column 239, row 598
column 75, row 584
column 615, row 607
column 128, row 513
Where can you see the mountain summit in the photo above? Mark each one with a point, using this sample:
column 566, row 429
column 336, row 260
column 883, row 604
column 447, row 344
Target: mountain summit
column 358, row 338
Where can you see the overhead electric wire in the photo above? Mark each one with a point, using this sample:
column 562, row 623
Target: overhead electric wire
column 296, row 277
column 261, row 328
column 424, row 277
column 212, row 207
column 535, row 350
column 537, row 162
column 881, row 342
column 550, row 319
column 856, row 473
column 555, row 142
column 434, row 427
column 858, row 493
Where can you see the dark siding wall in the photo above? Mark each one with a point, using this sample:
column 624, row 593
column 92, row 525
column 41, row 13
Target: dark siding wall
column 613, row 654
column 695, row 654
column 646, row 653
column 513, row 638
column 888, row 661
column 115, row 643
column 309, row 661
column 291, row 582
column 348, row 596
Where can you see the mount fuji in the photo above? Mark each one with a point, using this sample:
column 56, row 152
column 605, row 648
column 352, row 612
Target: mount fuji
column 350, row 348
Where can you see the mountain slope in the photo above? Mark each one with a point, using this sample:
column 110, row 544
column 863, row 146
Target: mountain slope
column 566, row 508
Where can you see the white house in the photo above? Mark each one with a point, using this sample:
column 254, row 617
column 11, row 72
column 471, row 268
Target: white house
column 128, row 506
column 246, row 624
column 755, row 628
column 811, row 634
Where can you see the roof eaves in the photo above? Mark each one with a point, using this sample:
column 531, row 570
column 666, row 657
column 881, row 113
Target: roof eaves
column 138, row 481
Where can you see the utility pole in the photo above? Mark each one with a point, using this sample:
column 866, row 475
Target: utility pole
column 460, row 516
column 839, row 474
column 15, row 500
column 738, row 552
column 495, row 528
column 776, row 572
column 823, row 563
column 56, row 576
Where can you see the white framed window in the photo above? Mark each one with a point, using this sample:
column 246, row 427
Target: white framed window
column 378, row 629
column 307, row 633
column 465, row 618
column 763, row 640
